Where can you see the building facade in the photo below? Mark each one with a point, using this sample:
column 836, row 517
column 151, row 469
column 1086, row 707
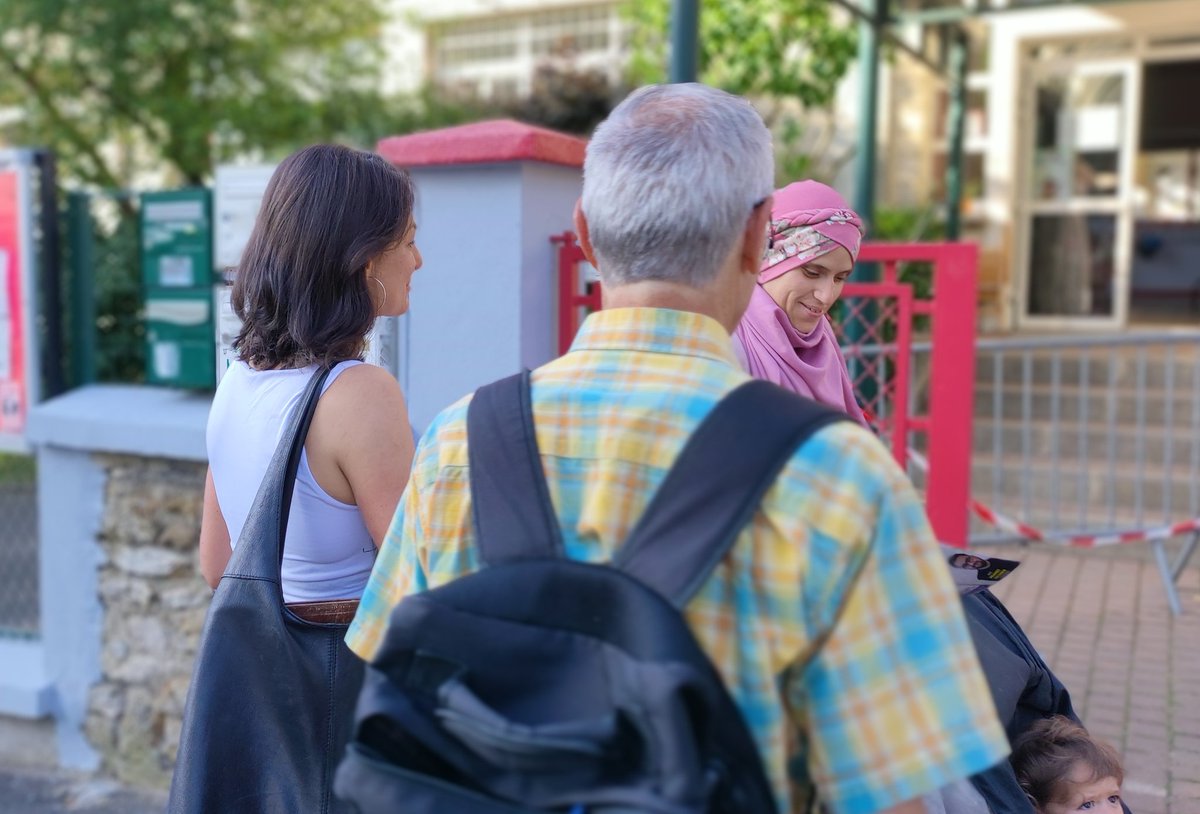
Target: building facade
column 1082, row 149
column 492, row 47
column 1087, row 145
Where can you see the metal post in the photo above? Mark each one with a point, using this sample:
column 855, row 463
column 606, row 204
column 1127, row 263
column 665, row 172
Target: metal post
column 870, row 32
column 1168, row 576
column 51, row 287
column 81, row 284
column 869, row 36
column 954, row 154
column 685, row 34
column 1185, row 554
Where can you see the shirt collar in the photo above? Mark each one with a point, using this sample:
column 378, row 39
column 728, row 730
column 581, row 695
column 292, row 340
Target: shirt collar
column 655, row 330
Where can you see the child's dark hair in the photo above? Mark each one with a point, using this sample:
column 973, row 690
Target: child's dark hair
column 1045, row 755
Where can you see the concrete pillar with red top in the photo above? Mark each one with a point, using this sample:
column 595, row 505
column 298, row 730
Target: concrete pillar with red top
column 489, row 197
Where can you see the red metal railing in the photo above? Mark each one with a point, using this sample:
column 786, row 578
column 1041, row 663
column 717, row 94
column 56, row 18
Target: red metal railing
column 946, row 423
column 880, row 357
column 577, row 297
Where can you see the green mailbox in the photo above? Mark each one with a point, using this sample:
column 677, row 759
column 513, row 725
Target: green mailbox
column 177, row 279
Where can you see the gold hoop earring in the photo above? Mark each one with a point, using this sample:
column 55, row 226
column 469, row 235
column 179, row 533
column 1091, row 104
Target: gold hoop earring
column 382, row 288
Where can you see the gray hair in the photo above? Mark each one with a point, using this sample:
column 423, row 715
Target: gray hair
column 669, row 181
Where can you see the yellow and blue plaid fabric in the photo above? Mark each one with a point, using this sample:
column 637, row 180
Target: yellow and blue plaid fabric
column 833, row 621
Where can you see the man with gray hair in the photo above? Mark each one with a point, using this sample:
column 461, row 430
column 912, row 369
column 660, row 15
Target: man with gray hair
column 832, row 621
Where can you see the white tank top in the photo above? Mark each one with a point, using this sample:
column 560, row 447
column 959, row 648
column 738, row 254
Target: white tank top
column 328, row 552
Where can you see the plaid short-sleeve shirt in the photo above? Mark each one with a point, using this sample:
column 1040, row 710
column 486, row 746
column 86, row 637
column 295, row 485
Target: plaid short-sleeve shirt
column 833, row 621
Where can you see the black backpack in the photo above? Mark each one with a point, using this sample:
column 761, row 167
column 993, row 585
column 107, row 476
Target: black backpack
column 545, row 684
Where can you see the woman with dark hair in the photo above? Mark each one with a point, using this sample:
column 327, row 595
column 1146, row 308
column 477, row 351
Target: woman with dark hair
column 333, row 248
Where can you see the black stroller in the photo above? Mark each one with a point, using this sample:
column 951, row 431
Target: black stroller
column 1023, row 687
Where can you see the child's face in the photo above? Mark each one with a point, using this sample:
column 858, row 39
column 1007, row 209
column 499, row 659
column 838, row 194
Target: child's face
column 1099, row 796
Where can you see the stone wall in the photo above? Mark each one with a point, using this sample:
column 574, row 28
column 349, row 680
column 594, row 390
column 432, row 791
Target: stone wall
column 154, row 602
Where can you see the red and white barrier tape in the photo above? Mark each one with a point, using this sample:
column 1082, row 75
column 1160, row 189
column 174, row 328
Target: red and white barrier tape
column 1028, row 532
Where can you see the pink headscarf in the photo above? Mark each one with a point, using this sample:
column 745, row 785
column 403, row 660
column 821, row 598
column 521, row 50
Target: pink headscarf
column 808, row 220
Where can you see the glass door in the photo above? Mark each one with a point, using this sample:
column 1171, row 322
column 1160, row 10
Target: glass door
column 1076, row 216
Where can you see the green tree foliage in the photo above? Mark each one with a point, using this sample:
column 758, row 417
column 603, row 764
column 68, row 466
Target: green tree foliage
column 786, row 55
column 566, row 98
column 910, row 225
column 777, row 49
column 117, row 87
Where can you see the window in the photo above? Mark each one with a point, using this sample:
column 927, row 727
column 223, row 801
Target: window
column 497, row 56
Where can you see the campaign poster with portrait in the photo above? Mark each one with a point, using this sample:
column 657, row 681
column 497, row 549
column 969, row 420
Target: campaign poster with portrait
column 973, row 571
column 15, row 299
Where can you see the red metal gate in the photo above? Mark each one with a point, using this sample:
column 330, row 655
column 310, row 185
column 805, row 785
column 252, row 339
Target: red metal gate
column 880, row 357
column 937, row 414
column 577, row 295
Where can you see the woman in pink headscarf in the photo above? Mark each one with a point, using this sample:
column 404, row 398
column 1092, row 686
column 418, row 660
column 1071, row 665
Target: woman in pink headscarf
column 785, row 336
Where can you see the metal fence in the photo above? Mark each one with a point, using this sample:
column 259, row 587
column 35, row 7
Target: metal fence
column 37, row 364
column 18, row 547
column 102, row 288
column 1088, row 435
column 918, row 403
column 875, row 321
column 1086, row 440
column 1067, row 435
column 102, row 340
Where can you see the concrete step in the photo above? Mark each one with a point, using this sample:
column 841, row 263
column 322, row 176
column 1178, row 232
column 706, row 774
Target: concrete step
column 1164, row 496
column 1075, row 404
column 1068, row 520
column 1096, row 366
column 26, row 742
column 37, row 790
column 25, row 691
column 1090, row 443
column 1040, row 510
column 1094, row 525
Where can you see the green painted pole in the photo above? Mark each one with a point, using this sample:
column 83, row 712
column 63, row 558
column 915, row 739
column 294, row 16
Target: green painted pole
column 870, row 34
column 685, row 36
column 52, row 361
column 82, row 293
column 955, row 128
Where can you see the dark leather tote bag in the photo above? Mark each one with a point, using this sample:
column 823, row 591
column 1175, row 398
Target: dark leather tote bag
column 271, row 703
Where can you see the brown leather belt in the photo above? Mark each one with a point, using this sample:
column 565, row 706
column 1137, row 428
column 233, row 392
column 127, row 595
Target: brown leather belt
column 330, row 612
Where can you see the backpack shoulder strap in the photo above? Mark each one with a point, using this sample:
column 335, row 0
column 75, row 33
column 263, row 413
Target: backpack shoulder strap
column 510, row 502
column 715, row 486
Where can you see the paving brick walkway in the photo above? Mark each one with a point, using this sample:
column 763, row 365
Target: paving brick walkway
column 1100, row 619
column 32, row 791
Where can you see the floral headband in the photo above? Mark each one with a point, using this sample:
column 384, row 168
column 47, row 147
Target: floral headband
column 800, row 237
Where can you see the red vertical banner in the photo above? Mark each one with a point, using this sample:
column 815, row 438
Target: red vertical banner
column 14, row 391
